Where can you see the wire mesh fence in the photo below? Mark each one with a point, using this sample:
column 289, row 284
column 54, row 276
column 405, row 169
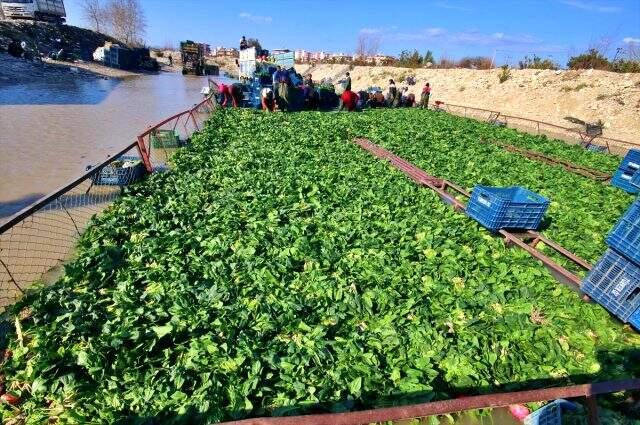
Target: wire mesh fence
column 37, row 241
column 573, row 135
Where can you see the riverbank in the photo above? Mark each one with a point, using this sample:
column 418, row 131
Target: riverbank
column 543, row 95
column 15, row 71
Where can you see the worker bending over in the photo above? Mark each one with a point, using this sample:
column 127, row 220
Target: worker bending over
column 236, row 94
column 225, row 94
column 267, row 99
column 349, row 100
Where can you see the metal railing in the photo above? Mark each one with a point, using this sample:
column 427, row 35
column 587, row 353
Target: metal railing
column 568, row 134
column 403, row 413
column 38, row 240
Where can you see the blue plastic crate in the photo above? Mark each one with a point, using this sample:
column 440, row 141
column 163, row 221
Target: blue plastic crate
column 634, row 319
column 110, row 175
column 550, row 414
column 625, row 236
column 635, row 180
column 628, row 173
column 507, row 207
column 614, row 282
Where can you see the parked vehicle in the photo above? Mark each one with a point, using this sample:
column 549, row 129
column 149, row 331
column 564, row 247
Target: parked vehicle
column 41, row 10
column 193, row 61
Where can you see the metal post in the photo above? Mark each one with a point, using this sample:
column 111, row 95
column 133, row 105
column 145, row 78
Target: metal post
column 592, row 410
column 144, row 154
column 194, row 120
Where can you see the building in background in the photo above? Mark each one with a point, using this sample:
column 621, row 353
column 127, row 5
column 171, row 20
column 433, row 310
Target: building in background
column 225, row 52
column 303, row 56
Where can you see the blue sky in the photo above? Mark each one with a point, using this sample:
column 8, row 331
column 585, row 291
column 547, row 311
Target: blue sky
column 453, row 28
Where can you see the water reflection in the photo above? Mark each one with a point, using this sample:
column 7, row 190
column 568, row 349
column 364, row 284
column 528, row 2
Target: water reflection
column 61, row 92
column 50, row 132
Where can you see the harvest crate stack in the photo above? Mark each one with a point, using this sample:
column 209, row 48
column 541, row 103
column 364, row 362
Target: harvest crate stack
column 615, row 281
column 627, row 177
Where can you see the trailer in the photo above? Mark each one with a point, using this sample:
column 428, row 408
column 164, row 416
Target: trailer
column 40, row 10
column 193, row 61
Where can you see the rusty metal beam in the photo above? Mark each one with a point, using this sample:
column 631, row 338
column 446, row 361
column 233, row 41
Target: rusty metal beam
column 540, row 157
column 441, row 187
column 557, row 268
column 448, row 406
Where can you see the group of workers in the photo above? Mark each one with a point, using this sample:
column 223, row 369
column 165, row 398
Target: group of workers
column 280, row 95
column 398, row 98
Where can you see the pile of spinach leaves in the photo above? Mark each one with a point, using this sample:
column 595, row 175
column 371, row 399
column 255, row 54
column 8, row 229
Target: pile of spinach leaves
column 280, row 269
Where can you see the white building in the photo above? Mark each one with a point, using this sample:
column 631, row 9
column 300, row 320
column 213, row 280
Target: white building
column 303, row 56
column 225, row 51
column 319, row 56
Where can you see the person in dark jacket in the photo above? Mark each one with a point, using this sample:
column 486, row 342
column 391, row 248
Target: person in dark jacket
column 284, row 86
column 347, row 82
column 393, row 93
column 308, row 81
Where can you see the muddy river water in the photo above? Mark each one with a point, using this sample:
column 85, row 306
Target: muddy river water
column 50, row 131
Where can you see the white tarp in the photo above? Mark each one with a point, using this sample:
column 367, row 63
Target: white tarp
column 247, row 62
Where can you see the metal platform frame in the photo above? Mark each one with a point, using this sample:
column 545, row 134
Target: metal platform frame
column 450, row 193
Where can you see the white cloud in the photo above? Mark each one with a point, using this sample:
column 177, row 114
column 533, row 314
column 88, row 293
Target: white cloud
column 443, row 37
column 495, row 39
column 255, row 18
column 429, row 33
column 631, row 40
column 447, row 5
column 370, row 31
column 591, row 7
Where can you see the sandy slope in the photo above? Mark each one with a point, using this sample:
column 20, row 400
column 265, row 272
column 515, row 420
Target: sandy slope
column 543, row 95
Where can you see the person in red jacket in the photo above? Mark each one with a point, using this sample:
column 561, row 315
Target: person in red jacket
column 349, row 100
column 225, row 94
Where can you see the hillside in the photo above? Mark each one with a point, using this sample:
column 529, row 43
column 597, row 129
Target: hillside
column 47, row 38
column 542, row 95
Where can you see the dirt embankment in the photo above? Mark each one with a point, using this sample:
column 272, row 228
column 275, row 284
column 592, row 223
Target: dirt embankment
column 45, row 38
column 548, row 96
column 41, row 40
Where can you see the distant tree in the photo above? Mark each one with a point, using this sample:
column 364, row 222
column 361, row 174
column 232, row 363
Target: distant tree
column 126, row 20
column 428, row 58
column 93, row 12
column 254, row 42
column 591, row 59
column 409, row 59
column 475, row 62
column 367, row 45
column 537, row 63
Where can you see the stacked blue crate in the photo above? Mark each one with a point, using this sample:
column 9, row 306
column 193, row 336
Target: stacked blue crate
column 628, row 173
column 614, row 282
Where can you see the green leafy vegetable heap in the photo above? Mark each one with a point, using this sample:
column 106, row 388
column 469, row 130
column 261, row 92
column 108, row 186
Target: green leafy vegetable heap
column 281, row 269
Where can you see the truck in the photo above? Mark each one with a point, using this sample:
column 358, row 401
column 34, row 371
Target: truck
column 193, row 61
column 41, row 10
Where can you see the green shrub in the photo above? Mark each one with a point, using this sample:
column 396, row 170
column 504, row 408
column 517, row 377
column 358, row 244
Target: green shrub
column 505, row 74
column 537, row 63
column 592, row 59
